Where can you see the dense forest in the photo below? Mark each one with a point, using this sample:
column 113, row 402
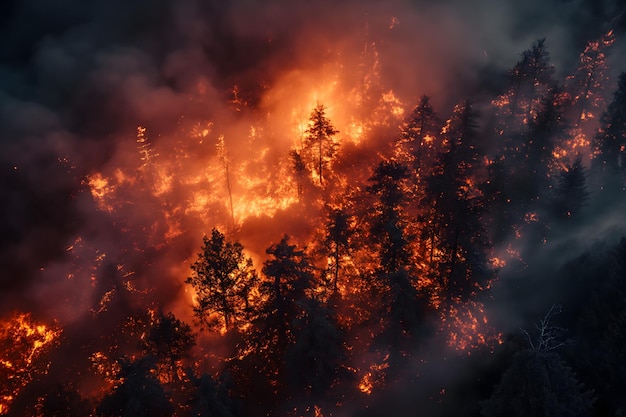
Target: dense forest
column 342, row 252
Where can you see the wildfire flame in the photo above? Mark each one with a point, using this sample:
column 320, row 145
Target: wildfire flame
column 374, row 377
column 22, row 343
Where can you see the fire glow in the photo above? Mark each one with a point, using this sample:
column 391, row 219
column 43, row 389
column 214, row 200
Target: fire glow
column 381, row 207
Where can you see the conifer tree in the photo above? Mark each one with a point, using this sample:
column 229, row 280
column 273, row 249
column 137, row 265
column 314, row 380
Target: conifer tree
column 455, row 217
column 168, row 340
column 417, row 135
column 222, row 278
column 394, row 278
column 337, row 242
column 319, row 140
column 548, row 130
column 529, row 80
column 538, row 383
column 299, row 169
column 571, row 190
column 289, row 276
column 313, row 362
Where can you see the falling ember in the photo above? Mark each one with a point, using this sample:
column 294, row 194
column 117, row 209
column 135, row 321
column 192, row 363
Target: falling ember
column 22, row 344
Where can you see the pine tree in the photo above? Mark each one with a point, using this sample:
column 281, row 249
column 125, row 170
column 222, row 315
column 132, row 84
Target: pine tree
column 388, row 184
column 454, row 222
column 417, row 135
column 222, row 278
column 529, row 81
column 319, row 140
column 208, row 398
column 337, row 242
column 394, row 278
column 602, row 335
column 497, row 196
column 289, row 276
column 168, row 340
column 64, row 401
column 314, row 361
column 571, row 190
column 299, row 169
column 545, row 133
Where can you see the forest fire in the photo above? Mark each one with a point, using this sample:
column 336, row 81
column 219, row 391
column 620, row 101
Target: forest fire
column 254, row 214
column 23, row 344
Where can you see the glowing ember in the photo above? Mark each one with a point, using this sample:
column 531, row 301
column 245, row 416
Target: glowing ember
column 468, row 327
column 22, row 345
column 374, row 377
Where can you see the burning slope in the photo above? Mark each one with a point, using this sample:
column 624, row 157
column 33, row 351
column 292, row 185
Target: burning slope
column 252, row 163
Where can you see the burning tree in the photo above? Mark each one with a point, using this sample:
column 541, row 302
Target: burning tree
column 319, row 139
column 590, row 78
column 529, row 80
column 548, row 131
column 223, row 278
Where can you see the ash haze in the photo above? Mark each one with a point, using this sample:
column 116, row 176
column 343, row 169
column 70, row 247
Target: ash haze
column 130, row 129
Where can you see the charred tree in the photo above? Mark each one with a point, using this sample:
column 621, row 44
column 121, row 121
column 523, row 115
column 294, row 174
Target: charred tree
column 299, row 169
column 222, row 154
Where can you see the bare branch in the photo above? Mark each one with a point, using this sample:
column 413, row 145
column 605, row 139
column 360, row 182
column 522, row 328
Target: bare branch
column 549, row 337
